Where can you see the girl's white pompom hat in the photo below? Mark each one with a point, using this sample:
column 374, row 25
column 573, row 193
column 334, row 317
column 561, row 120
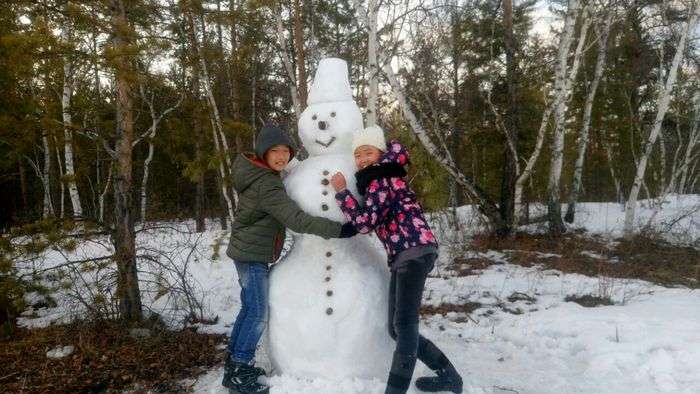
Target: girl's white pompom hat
column 372, row 135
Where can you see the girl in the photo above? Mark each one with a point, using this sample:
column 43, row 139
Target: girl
column 392, row 211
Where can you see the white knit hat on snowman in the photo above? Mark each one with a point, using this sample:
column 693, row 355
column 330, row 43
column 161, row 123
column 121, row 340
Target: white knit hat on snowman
column 372, row 135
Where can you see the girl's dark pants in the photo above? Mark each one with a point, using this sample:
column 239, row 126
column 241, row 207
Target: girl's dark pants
column 405, row 294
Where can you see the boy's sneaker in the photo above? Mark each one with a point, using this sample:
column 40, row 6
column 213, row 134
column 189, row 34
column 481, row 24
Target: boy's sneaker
column 229, row 366
column 242, row 378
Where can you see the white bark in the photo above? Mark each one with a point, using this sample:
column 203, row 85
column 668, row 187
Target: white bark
column 559, row 98
column 217, row 126
column 288, row 65
column 588, row 110
column 68, row 82
column 693, row 142
column 562, row 86
column 104, row 192
column 372, row 68
column 663, row 101
column 151, row 134
column 46, row 177
column 61, row 176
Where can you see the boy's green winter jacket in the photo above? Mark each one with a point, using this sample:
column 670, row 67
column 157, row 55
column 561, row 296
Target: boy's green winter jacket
column 264, row 210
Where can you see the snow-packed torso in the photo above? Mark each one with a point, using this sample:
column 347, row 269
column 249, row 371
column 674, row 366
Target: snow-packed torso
column 328, row 297
column 309, row 184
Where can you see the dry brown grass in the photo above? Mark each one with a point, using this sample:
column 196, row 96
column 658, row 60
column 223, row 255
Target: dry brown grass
column 642, row 257
column 106, row 359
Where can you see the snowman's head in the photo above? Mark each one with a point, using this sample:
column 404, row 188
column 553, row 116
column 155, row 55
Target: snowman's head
column 327, row 125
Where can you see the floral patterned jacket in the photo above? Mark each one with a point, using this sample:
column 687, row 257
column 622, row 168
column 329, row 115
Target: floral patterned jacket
column 390, row 209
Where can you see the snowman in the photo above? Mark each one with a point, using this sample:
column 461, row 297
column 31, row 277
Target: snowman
column 328, row 298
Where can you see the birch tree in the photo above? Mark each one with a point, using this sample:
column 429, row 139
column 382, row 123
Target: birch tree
column 46, row 178
column 663, row 100
column 67, row 94
column 300, row 53
column 587, row 111
column 286, row 60
column 690, row 154
column 558, row 102
column 220, row 142
column 150, row 135
column 372, row 68
column 562, row 88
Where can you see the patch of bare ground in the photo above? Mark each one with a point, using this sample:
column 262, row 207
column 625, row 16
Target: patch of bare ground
column 466, row 266
column 643, row 257
column 106, row 359
column 589, row 300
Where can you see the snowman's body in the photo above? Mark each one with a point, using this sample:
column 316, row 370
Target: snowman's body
column 328, row 298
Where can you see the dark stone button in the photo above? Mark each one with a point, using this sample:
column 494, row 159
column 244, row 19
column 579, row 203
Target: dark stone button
column 329, row 254
column 325, row 182
column 325, row 192
column 328, row 268
column 325, row 172
column 329, row 293
column 324, row 207
column 329, row 311
column 328, row 278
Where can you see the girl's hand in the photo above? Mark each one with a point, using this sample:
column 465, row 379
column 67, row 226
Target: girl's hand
column 338, row 182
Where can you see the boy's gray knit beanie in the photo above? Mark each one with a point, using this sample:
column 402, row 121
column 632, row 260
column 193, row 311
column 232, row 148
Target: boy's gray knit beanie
column 270, row 136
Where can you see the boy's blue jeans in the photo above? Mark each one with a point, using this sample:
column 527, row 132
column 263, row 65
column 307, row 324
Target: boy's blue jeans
column 250, row 322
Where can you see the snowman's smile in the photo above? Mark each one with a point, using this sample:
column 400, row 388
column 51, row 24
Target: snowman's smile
column 326, row 144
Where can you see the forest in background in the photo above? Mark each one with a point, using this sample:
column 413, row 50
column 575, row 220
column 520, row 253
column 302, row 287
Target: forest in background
column 510, row 116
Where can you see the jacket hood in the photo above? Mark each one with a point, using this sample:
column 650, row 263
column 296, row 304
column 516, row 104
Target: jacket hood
column 395, row 153
column 270, row 136
column 248, row 169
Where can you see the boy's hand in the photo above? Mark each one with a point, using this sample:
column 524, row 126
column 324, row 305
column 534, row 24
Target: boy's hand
column 338, row 182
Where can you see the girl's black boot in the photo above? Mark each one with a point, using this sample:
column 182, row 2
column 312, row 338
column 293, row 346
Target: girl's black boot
column 447, row 379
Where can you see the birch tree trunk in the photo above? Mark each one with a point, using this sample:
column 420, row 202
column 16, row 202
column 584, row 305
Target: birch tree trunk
column 560, row 75
column 372, row 68
column 663, row 101
column 456, row 192
column 301, row 53
column 588, row 109
column 108, row 184
column 693, row 141
column 199, row 197
column 124, row 236
column 510, row 155
column 150, row 135
column 293, row 90
column 68, row 82
column 61, row 176
column 46, row 177
column 562, row 89
column 217, row 125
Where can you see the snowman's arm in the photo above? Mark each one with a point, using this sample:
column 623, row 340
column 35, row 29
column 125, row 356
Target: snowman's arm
column 365, row 216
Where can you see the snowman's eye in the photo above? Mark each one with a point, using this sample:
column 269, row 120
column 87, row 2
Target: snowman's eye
column 313, row 117
column 332, row 114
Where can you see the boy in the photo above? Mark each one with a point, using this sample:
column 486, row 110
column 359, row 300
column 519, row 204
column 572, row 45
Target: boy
column 257, row 234
column 393, row 212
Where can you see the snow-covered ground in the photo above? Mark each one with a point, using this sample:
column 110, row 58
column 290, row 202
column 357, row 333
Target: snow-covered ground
column 523, row 338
